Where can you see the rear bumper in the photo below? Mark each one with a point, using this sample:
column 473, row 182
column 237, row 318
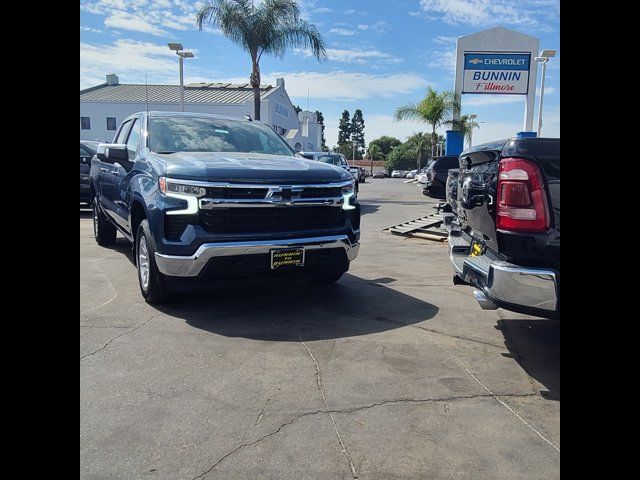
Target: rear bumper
column 534, row 291
column 192, row 265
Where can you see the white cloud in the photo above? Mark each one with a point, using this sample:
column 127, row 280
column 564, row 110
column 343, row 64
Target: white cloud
column 359, row 57
column 129, row 59
column 90, row 29
column 380, row 27
column 443, row 40
column 340, row 86
column 341, row 31
column 415, row 14
column 477, row 13
column 144, row 16
column 444, row 59
column 128, row 21
column 322, row 10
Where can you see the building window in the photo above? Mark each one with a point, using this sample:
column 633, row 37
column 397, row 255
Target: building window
column 111, row 123
column 279, row 130
column 85, row 123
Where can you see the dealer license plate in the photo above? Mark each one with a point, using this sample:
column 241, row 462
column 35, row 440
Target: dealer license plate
column 290, row 257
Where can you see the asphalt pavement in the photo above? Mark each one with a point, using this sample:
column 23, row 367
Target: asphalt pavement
column 392, row 373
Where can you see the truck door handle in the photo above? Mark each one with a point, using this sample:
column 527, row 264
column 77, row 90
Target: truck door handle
column 104, row 170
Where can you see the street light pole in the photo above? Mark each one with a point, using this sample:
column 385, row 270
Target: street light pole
column 544, row 57
column 353, row 159
column 179, row 49
column 181, row 84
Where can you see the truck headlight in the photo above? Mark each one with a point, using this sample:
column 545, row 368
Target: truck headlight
column 182, row 191
column 348, row 193
column 168, row 186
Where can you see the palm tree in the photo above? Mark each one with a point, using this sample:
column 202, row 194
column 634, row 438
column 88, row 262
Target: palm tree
column 272, row 27
column 375, row 153
column 421, row 141
column 435, row 109
column 465, row 124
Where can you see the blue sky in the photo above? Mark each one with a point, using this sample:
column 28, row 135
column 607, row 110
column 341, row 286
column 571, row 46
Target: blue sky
column 382, row 54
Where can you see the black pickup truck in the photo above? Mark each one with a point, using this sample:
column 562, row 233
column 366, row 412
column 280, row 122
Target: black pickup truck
column 505, row 239
column 211, row 197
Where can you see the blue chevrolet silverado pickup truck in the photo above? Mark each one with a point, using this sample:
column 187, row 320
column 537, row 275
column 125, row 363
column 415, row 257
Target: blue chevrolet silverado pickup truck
column 210, row 197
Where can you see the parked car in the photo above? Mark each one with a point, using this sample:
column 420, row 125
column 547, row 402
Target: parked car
column 506, row 238
column 380, row 174
column 362, row 175
column 87, row 151
column 210, row 197
column 437, row 176
column 333, row 158
column 411, row 174
column 397, row 174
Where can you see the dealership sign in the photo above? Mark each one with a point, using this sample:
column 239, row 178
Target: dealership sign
column 496, row 73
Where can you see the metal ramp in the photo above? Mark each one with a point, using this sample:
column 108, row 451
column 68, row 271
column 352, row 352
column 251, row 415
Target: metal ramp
column 429, row 227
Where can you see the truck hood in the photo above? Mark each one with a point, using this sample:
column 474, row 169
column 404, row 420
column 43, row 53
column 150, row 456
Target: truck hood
column 249, row 168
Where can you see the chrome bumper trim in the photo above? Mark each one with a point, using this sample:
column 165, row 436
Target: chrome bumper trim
column 191, row 266
column 509, row 283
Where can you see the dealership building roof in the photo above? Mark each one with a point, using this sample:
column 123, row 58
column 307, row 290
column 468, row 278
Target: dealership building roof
column 218, row 93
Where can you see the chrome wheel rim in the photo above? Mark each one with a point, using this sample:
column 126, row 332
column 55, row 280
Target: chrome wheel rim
column 95, row 221
column 143, row 262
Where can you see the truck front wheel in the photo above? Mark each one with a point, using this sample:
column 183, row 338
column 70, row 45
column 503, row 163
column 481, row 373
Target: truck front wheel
column 153, row 284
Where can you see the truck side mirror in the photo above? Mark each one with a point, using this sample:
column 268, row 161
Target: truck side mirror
column 112, row 152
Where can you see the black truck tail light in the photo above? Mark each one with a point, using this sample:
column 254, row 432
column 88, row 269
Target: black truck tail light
column 522, row 202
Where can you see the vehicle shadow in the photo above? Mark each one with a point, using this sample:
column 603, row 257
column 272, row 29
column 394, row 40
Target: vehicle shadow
column 293, row 311
column 535, row 345
column 368, row 208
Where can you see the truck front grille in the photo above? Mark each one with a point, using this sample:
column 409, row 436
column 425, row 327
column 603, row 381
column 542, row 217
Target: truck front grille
column 271, row 219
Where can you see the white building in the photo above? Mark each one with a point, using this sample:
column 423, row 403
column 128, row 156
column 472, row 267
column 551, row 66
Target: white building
column 103, row 107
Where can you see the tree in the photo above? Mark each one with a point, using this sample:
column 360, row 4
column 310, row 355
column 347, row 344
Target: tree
column 385, row 143
column 345, row 149
column 344, row 129
column 420, row 143
column 374, row 153
column 323, row 142
column 435, row 109
column 465, row 124
column 297, row 109
column 402, row 157
column 271, row 27
column 357, row 132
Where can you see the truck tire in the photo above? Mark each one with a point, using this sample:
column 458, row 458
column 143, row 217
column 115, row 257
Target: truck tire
column 104, row 232
column 153, row 284
column 328, row 277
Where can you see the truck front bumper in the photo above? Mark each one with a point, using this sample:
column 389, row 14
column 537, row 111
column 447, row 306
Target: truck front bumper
column 534, row 291
column 192, row 265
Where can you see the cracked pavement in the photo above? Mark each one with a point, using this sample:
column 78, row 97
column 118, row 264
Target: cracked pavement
column 393, row 373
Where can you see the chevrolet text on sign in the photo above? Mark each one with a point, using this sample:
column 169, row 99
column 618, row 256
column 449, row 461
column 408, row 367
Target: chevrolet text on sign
column 496, row 73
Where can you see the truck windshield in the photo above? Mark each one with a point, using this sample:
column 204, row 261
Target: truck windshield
column 204, row 134
column 332, row 159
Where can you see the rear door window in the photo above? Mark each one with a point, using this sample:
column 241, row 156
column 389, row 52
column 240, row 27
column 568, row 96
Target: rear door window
column 447, row 163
